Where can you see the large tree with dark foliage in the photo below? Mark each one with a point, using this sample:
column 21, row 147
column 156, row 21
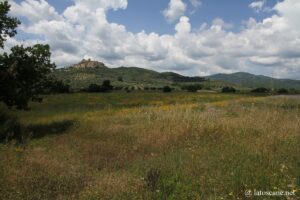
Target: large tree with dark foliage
column 8, row 24
column 23, row 74
column 23, row 71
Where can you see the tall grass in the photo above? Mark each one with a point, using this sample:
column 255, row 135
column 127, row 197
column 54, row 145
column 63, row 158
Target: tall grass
column 203, row 146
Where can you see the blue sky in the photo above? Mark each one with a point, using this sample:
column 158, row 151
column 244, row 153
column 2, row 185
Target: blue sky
column 147, row 15
column 191, row 37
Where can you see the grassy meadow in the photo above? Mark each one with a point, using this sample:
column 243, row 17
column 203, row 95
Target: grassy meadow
column 151, row 145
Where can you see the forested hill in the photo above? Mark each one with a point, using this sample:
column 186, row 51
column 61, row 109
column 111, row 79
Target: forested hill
column 253, row 81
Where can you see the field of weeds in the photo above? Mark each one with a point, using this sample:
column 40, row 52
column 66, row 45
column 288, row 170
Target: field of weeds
column 154, row 146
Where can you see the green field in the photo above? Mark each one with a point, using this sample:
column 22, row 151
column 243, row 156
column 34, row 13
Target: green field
column 151, row 145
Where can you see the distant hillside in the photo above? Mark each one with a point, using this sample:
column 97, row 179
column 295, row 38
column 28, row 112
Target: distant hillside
column 86, row 72
column 80, row 76
column 249, row 80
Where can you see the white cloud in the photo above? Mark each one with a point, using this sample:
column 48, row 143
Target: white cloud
column 196, row 3
column 290, row 10
column 257, row 5
column 104, row 4
column 175, row 10
column 183, row 27
column 260, row 6
column 32, row 9
column 270, row 46
column 218, row 22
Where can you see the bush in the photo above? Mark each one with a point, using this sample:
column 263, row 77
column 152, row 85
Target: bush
column 260, row 90
column 228, row 90
column 282, row 91
column 118, row 88
column 192, row 88
column 58, row 86
column 294, row 91
column 10, row 128
column 167, row 89
column 94, row 88
column 105, row 87
column 120, row 79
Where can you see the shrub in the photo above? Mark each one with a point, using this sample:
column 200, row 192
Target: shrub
column 192, row 88
column 118, row 88
column 282, row 91
column 294, row 91
column 120, row 78
column 228, row 90
column 260, row 90
column 105, row 87
column 58, row 86
column 167, row 89
column 10, row 128
column 94, row 88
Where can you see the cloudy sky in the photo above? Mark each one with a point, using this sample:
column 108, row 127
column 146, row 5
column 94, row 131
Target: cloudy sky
column 191, row 37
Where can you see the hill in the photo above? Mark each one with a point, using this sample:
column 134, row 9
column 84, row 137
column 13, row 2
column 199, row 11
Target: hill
column 81, row 77
column 250, row 80
column 87, row 72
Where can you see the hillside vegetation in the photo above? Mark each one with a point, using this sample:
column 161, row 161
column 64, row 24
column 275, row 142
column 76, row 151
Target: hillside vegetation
column 122, row 76
column 154, row 146
column 139, row 78
column 253, row 81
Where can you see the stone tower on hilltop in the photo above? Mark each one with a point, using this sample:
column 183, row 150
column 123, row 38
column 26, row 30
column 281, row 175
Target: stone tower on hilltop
column 88, row 64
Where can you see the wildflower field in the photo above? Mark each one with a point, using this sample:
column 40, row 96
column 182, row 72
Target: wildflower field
column 151, row 145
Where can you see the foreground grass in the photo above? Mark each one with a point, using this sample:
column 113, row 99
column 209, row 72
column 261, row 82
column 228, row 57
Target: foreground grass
column 154, row 146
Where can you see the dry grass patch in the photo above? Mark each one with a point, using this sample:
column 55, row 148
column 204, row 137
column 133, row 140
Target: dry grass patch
column 190, row 150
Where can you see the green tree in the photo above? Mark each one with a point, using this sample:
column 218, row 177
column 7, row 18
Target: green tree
column 120, row 78
column 24, row 71
column 8, row 24
column 55, row 86
column 261, row 90
column 228, row 89
column 106, row 86
column 23, row 74
column 192, row 87
column 282, row 91
column 167, row 89
column 94, row 88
